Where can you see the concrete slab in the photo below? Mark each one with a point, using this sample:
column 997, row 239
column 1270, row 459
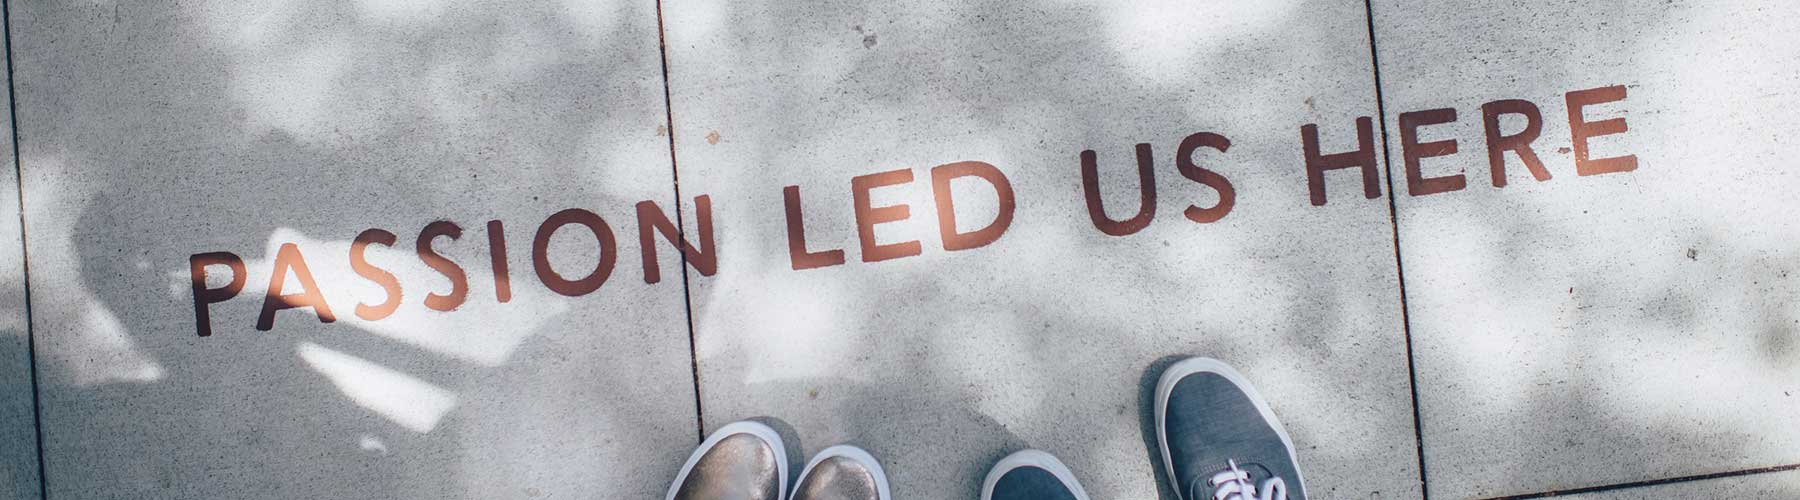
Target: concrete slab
column 1562, row 324
column 941, row 363
column 155, row 131
column 18, row 423
column 1776, row 485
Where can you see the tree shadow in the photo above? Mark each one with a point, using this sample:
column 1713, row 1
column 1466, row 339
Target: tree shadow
column 940, row 374
column 152, row 132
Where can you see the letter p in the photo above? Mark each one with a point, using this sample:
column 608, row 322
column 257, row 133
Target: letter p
column 205, row 297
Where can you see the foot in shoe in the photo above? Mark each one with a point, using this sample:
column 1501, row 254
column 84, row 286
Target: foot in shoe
column 741, row 461
column 1031, row 475
column 842, row 472
column 1219, row 439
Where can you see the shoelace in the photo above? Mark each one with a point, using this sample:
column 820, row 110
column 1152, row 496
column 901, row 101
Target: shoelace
column 1235, row 484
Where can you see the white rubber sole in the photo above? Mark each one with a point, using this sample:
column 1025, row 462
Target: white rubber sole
column 855, row 454
column 1191, row 366
column 1031, row 458
column 740, row 427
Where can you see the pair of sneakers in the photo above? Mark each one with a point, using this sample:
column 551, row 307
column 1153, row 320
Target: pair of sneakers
column 1217, row 436
column 746, row 460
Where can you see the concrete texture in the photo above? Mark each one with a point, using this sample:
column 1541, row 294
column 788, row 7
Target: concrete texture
column 1593, row 330
column 152, row 131
column 1574, row 332
column 18, row 424
column 943, row 362
column 1770, row 486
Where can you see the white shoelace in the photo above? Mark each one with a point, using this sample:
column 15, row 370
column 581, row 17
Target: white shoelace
column 1235, row 484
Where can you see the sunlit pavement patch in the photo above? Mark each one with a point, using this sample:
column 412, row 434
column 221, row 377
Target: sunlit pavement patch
column 1608, row 321
column 941, row 347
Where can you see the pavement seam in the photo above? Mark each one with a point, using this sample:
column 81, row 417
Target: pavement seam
column 12, row 108
column 1653, row 482
column 1412, row 377
column 687, row 296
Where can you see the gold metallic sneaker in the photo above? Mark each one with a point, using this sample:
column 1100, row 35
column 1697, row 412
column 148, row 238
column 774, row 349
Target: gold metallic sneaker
column 740, row 461
column 842, row 472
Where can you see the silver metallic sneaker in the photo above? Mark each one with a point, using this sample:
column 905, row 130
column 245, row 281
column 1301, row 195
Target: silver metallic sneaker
column 1219, row 439
column 740, row 461
column 842, row 472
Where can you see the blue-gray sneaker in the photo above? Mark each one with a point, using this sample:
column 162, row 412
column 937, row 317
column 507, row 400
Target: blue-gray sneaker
column 1219, row 439
column 1031, row 475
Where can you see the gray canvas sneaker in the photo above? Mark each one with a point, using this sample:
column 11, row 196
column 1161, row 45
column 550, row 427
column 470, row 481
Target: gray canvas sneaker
column 842, row 472
column 1219, row 439
column 1031, row 475
column 740, row 461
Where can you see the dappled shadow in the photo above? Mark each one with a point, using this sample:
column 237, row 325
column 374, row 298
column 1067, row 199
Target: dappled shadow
column 1565, row 329
column 1046, row 341
column 943, row 362
column 154, row 131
